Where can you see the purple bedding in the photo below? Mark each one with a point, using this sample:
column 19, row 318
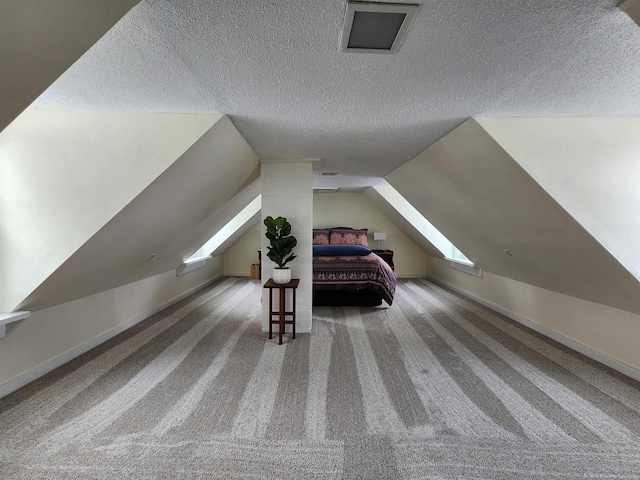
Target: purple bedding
column 354, row 273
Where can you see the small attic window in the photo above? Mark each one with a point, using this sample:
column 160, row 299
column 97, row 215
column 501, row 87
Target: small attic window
column 448, row 250
column 376, row 27
column 229, row 229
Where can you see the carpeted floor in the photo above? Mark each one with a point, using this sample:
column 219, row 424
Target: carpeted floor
column 433, row 387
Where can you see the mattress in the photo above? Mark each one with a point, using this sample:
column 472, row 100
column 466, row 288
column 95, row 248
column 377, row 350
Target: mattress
column 355, row 273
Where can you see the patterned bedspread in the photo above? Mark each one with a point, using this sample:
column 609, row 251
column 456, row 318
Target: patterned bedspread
column 355, row 273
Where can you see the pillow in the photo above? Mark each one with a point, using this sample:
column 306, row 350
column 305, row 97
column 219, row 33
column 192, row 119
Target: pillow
column 348, row 236
column 320, row 236
column 339, row 250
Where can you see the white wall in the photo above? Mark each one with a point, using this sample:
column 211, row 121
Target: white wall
column 612, row 332
column 590, row 166
column 479, row 197
column 237, row 260
column 338, row 209
column 65, row 174
column 358, row 211
column 55, row 335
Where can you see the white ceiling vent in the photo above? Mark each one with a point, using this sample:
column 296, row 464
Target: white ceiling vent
column 376, row 27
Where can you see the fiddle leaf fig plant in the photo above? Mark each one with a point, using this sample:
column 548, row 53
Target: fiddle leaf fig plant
column 282, row 242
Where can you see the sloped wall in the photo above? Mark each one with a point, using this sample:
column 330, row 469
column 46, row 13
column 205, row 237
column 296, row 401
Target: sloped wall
column 161, row 220
column 40, row 40
column 609, row 331
column 590, row 166
column 220, row 217
column 65, row 174
column 55, row 335
column 180, row 195
column 484, row 202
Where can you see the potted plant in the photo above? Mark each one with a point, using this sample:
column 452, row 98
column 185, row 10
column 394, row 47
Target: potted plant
column 281, row 247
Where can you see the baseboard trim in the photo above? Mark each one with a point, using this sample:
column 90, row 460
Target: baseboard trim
column 623, row 368
column 410, row 275
column 28, row 377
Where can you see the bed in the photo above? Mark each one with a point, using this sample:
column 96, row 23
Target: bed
column 346, row 272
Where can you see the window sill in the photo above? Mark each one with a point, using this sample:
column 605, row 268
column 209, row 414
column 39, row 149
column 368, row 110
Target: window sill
column 192, row 264
column 457, row 260
column 8, row 321
column 465, row 267
column 197, row 259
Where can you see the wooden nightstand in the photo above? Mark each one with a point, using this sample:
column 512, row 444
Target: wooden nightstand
column 386, row 255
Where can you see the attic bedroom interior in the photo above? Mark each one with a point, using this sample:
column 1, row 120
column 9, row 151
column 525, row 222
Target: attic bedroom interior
column 485, row 155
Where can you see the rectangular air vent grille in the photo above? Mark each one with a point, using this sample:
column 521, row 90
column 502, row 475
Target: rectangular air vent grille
column 376, row 27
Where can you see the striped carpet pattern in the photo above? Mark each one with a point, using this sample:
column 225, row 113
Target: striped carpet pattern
column 435, row 386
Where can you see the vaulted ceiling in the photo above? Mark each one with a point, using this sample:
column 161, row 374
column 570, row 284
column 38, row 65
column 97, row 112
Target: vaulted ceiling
column 277, row 70
column 155, row 132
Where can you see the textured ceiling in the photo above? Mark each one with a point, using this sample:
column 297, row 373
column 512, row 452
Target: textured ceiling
column 275, row 68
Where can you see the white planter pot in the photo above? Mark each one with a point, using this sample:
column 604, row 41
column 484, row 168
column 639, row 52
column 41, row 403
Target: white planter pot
column 281, row 275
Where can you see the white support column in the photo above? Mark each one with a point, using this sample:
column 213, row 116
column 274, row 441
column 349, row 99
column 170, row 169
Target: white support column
column 287, row 191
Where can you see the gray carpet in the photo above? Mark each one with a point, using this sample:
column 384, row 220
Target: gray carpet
column 435, row 386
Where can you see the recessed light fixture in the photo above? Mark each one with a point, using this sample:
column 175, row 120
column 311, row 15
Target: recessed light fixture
column 376, row 27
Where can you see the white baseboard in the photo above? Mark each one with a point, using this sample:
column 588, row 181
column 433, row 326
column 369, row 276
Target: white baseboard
column 28, row 377
column 410, row 275
column 623, row 368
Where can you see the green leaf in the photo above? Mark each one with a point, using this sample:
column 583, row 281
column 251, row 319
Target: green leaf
column 281, row 241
